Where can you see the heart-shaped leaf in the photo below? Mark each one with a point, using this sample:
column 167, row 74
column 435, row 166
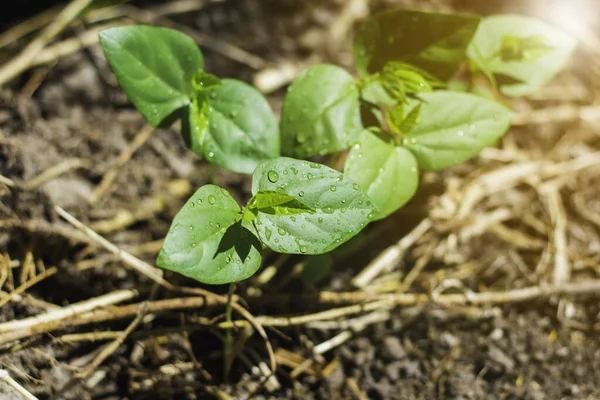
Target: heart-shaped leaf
column 434, row 42
column 521, row 48
column 335, row 209
column 320, row 113
column 387, row 173
column 154, row 66
column 453, row 127
column 234, row 126
column 207, row 241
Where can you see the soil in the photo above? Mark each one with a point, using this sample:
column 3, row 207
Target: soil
column 525, row 351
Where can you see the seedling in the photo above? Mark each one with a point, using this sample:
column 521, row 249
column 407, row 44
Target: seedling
column 396, row 118
column 162, row 72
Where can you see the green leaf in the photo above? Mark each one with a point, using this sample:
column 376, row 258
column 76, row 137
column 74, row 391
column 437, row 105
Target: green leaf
column 524, row 49
column 204, row 81
column 411, row 119
column 387, row 173
column 275, row 203
column 316, row 268
column 336, row 208
column 321, row 113
column 527, row 48
column 234, row 126
column 372, row 91
column 454, row 127
column 207, row 242
column 402, row 81
column 434, row 42
column 154, row 66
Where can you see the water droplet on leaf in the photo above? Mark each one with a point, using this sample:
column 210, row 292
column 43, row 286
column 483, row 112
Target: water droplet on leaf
column 273, row 176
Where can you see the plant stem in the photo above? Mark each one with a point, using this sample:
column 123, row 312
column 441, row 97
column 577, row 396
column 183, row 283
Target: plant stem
column 212, row 173
column 229, row 334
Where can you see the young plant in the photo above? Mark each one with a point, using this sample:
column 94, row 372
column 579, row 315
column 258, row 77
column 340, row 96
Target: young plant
column 162, row 73
column 297, row 207
column 396, row 119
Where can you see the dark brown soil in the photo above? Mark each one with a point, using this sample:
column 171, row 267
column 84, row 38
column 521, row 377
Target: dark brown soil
column 527, row 351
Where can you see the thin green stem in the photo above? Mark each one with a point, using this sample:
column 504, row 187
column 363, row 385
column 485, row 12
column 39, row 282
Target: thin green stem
column 212, row 174
column 229, row 334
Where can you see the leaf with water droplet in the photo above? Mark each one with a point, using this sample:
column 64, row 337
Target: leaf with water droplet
column 322, row 114
column 237, row 143
column 434, row 42
column 435, row 140
column 325, row 205
column 526, row 73
column 273, row 176
column 156, row 85
column 387, row 173
column 219, row 249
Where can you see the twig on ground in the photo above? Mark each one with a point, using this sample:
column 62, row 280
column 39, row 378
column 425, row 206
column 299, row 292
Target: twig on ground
column 556, row 209
column 144, row 268
column 145, row 209
column 38, row 278
column 111, row 174
column 85, row 39
column 30, row 324
column 23, row 61
column 320, row 316
column 41, row 226
column 354, row 388
column 114, row 345
column 89, row 336
column 512, row 175
column 5, row 376
column 583, row 288
column 391, row 256
column 106, row 352
column 559, row 114
column 7, row 181
column 421, row 263
column 103, row 315
column 27, row 26
column 355, row 325
column 53, row 172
